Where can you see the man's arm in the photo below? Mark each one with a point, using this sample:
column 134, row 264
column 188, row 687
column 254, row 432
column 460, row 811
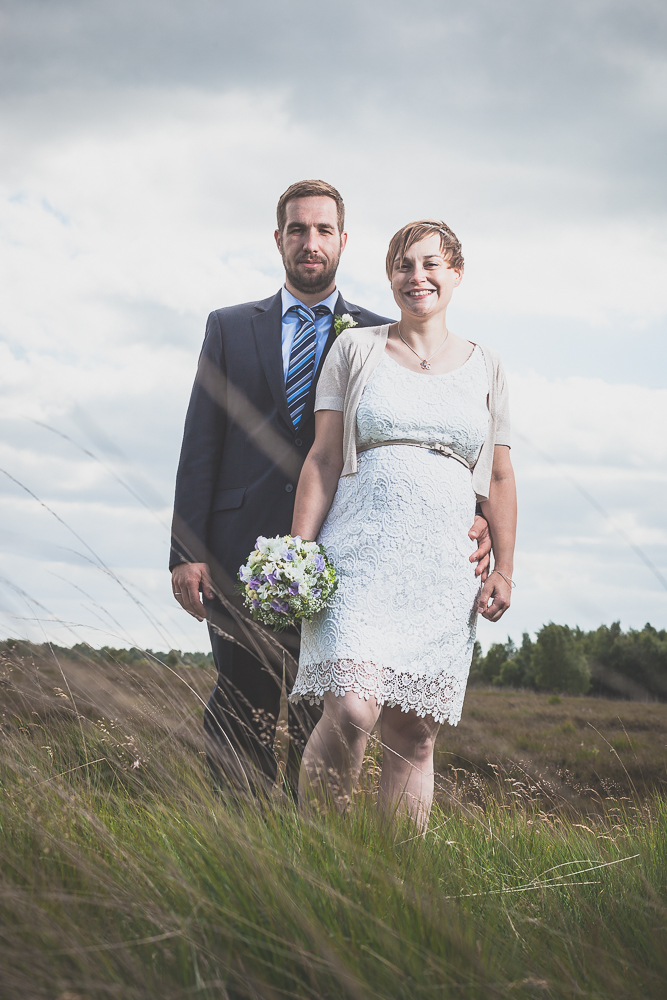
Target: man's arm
column 203, row 439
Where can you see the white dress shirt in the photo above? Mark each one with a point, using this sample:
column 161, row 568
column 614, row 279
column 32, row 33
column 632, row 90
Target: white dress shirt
column 291, row 324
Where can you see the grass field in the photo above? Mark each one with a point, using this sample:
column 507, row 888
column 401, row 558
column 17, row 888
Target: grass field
column 124, row 876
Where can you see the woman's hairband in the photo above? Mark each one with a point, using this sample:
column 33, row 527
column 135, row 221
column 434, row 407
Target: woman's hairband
column 431, row 225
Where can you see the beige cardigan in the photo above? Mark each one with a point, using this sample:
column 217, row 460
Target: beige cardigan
column 348, row 367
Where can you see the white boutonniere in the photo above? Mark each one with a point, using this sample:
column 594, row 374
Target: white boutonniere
column 344, row 322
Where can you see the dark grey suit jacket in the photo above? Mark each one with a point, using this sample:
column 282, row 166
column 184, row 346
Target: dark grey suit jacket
column 241, row 455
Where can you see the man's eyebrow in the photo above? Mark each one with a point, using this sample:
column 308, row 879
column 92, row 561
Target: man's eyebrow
column 306, row 225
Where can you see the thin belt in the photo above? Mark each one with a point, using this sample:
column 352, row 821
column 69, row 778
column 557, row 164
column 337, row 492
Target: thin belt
column 439, row 449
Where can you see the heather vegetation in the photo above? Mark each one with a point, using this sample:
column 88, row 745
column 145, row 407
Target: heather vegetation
column 605, row 661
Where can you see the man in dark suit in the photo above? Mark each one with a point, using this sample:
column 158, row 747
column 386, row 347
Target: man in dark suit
column 249, row 426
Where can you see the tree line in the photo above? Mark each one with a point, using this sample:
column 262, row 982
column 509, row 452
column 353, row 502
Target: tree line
column 605, row 661
column 107, row 654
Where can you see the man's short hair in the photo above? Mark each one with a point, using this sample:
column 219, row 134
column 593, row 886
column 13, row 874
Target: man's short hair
column 310, row 189
column 415, row 232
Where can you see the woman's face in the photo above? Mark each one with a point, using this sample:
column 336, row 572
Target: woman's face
column 423, row 282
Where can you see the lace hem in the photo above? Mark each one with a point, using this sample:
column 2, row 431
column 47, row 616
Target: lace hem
column 441, row 696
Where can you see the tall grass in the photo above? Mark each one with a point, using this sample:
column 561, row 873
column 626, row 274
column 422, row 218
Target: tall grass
column 124, row 875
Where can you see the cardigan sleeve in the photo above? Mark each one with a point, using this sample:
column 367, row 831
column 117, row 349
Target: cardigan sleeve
column 333, row 380
column 499, row 423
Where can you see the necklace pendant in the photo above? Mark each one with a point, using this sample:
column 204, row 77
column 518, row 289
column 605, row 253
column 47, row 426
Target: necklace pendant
column 425, row 365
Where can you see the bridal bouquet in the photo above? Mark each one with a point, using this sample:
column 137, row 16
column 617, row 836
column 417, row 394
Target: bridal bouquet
column 286, row 580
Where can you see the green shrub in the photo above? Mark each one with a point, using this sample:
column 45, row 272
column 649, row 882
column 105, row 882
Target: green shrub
column 631, row 665
column 628, row 665
column 496, row 658
column 558, row 662
column 504, row 664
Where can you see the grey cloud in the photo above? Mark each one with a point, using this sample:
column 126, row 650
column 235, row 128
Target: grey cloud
column 525, row 79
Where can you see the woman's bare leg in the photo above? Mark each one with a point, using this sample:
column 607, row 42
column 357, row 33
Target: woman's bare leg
column 407, row 765
column 335, row 751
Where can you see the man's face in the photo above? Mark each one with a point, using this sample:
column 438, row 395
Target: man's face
column 311, row 244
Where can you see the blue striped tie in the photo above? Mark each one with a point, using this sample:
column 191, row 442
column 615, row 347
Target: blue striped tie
column 302, row 360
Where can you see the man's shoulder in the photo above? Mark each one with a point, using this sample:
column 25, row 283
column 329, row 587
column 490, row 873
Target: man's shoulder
column 244, row 310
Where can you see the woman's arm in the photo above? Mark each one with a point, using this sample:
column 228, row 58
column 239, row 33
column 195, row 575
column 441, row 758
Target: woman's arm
column 500, row 511
column 319, row 476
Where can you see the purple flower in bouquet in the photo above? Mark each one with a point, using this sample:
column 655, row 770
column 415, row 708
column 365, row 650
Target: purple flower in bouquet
column 255, row 602
column 294, row 588
column 319, row 563
column 255, row 583
column 281, row 606
column 272, row 578
column 317, row 591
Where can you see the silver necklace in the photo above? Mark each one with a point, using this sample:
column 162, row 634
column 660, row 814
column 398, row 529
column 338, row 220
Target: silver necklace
column 424, row 363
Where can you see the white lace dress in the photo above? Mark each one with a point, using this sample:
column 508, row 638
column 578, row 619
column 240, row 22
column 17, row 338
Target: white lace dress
column 401, row 626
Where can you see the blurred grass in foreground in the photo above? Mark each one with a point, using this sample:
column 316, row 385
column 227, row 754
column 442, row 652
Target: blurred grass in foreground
column 124, row 876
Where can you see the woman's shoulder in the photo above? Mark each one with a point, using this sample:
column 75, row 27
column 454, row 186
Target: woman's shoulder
column 360, row 341
column 362, row 335
column 493, row 360
column 489, row 352
column 353, row 349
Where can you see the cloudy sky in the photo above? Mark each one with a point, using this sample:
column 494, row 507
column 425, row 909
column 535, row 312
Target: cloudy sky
column 143, row 146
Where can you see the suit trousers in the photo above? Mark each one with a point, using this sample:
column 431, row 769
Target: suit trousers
column 241, row 715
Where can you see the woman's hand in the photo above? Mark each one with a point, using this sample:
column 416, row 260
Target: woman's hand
column 480, row 533
column 498, row 591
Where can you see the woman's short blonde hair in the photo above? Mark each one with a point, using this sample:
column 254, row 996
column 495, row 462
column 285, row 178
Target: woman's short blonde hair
column 415, row 232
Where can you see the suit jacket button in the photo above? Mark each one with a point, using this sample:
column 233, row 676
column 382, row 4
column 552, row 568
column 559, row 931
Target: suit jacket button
column 298, row 442
column 289, row 488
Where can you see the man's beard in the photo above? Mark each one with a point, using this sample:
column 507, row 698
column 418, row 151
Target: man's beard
column 312, row 281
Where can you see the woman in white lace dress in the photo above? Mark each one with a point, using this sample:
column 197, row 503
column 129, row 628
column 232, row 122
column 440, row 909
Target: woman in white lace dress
column 412, row 428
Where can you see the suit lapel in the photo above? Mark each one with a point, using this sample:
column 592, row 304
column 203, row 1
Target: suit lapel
column 267, row 326
column 340, row 308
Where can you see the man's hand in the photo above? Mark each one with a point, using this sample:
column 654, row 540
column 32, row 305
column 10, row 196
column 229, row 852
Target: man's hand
column 480, row 533
column 187, row 579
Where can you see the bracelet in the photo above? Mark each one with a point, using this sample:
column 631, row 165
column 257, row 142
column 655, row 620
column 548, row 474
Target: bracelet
column 507, row 578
